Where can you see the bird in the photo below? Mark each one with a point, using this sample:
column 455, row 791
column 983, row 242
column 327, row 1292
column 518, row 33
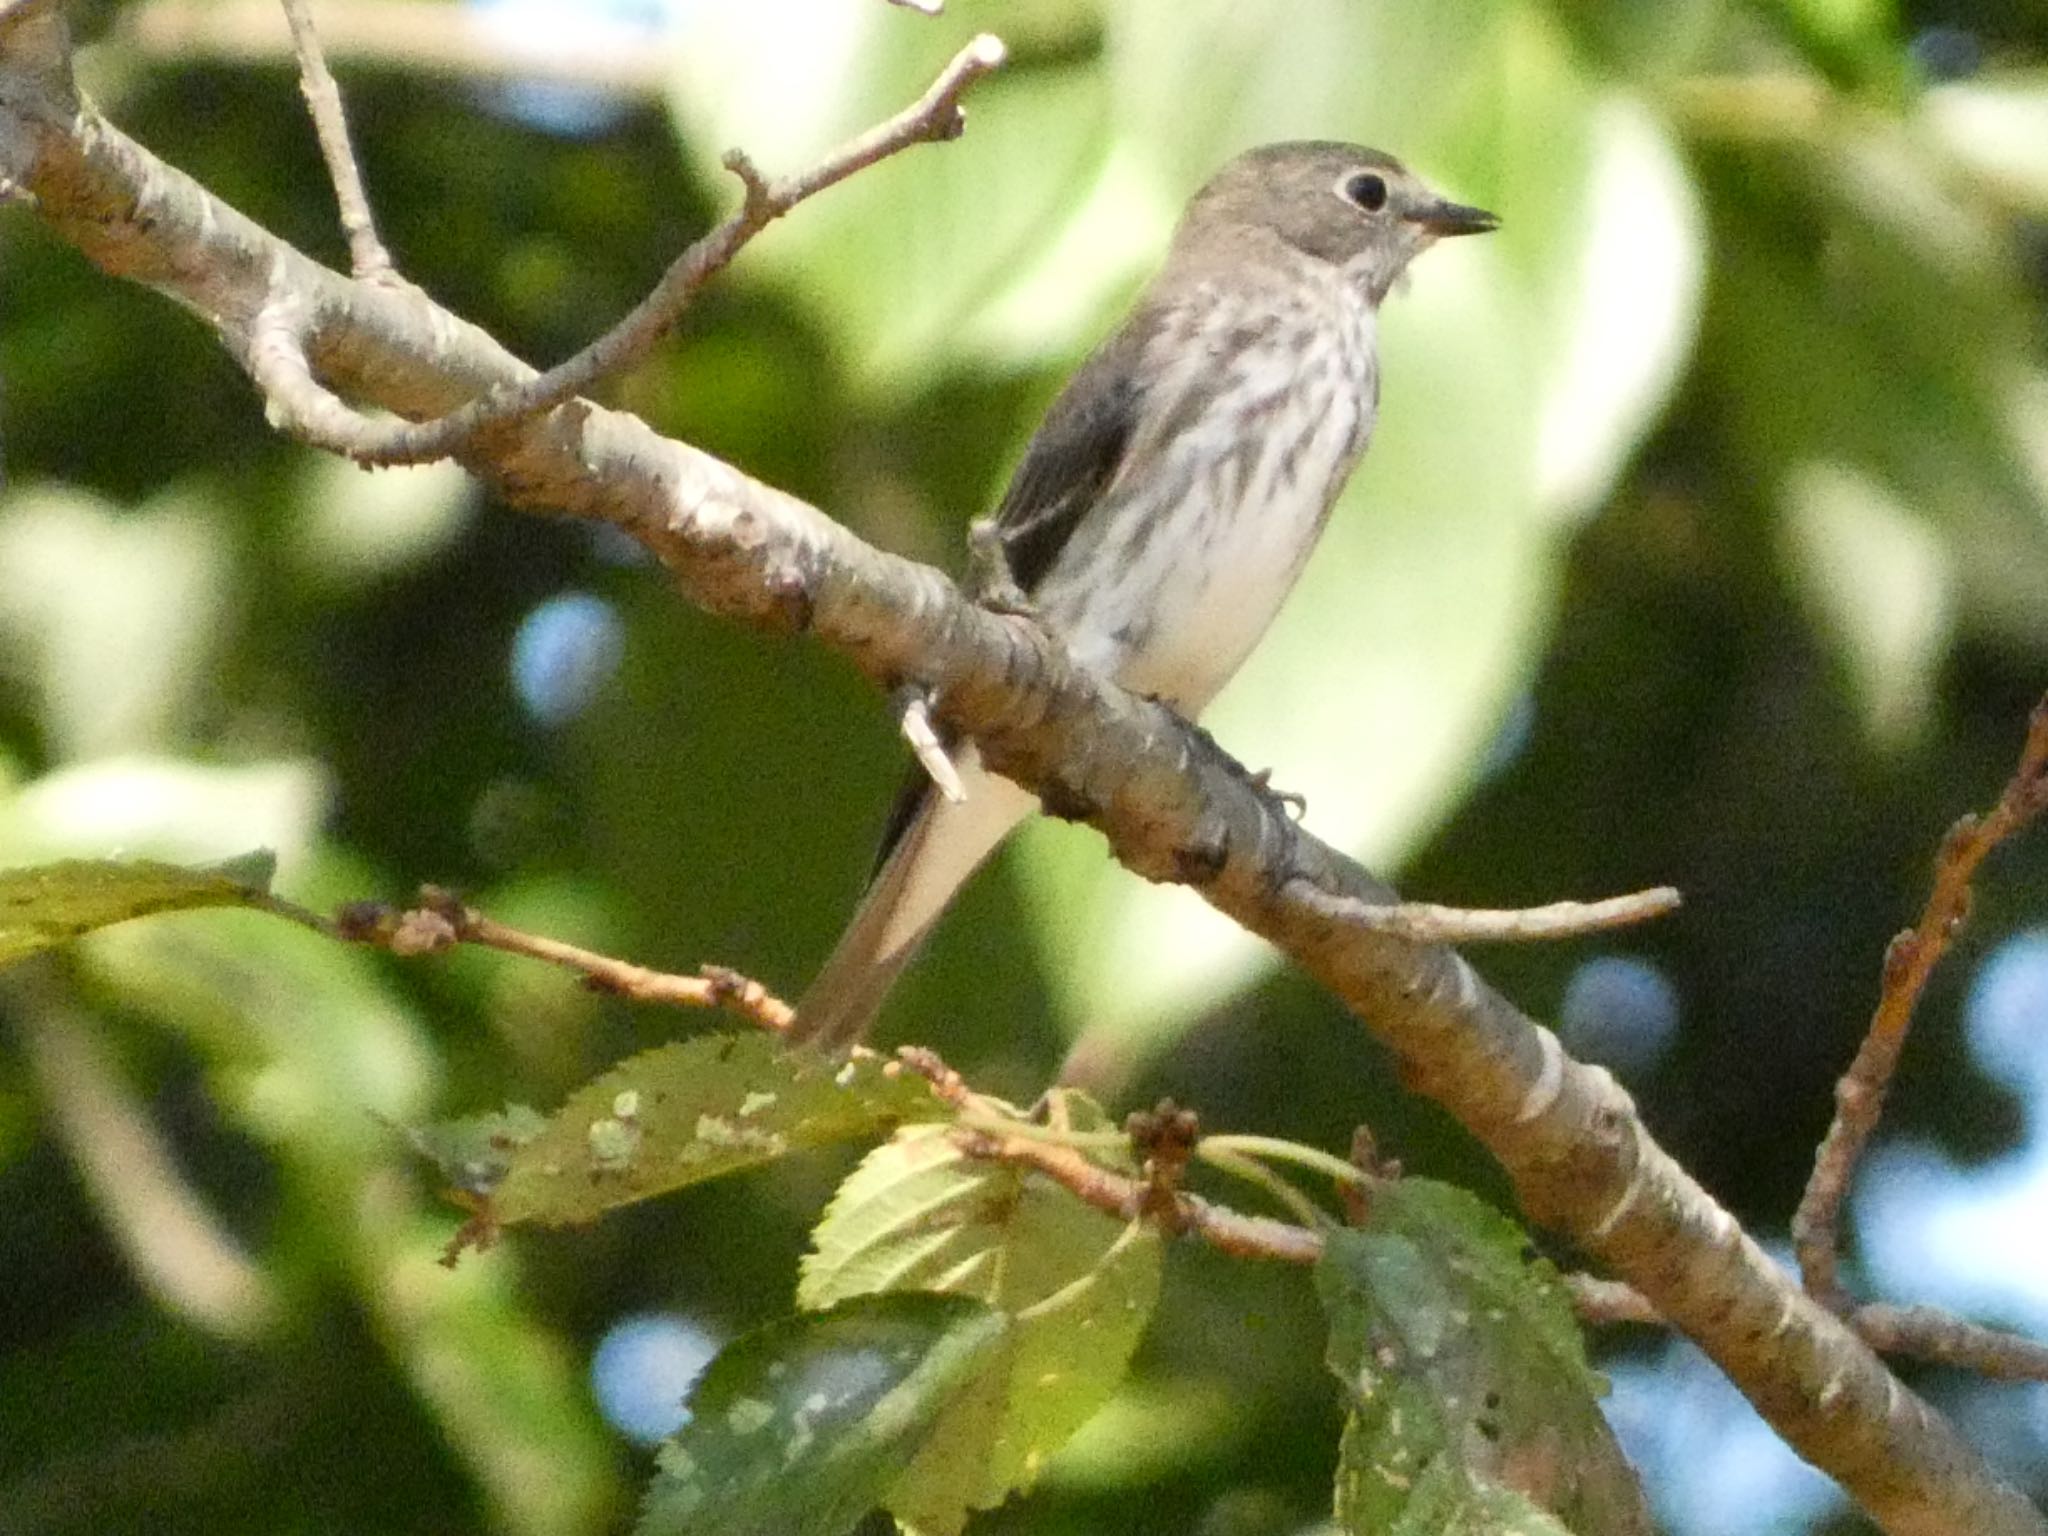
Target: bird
column 1170, row 497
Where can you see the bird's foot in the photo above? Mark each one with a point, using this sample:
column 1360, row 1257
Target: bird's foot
column 989, row 575
column 1295, row 805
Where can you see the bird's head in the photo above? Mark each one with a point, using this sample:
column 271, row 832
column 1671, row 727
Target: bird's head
column 1359, row 209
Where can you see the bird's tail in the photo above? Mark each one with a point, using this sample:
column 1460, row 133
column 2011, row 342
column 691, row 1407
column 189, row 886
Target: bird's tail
column 939, row 844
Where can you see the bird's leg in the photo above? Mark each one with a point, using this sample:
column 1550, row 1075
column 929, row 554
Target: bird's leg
column 988, row 571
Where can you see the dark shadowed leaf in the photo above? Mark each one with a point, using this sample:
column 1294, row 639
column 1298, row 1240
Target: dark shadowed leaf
column 1079, row 1287
column 696, row 1110
column 799, row 1429
column 52, row 904
column 1473, row 1408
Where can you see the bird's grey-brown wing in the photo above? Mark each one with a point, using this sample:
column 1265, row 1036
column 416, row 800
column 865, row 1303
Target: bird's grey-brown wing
column 1073, row 457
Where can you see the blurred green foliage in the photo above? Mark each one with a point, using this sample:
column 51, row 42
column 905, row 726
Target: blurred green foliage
column 1705, row 541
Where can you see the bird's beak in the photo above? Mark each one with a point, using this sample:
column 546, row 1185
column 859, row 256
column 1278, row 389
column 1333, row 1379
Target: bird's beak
column 1441, row 219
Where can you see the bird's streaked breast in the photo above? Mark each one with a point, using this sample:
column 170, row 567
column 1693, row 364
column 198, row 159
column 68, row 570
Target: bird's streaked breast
column 1263, row 397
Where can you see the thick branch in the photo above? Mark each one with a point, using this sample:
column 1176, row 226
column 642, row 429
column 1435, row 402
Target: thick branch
column 1172, row 806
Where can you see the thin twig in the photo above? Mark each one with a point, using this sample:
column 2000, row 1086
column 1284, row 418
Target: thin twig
column 1909, row 960
column 440, row 922
column 935, row 116
column 1928, row 1333
column 1424, row 922
column 915, row 719
column 366, row 254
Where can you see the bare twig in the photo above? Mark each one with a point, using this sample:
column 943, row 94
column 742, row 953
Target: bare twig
column 1909, row 960
column 914, row 716
column 1928, row 1333
column 922, row 7
column 440, row 922
column 366, row 254
column 934, row 116
column 1423, row 922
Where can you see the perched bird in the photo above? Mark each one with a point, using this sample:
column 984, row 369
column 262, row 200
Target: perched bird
column 1173, row 493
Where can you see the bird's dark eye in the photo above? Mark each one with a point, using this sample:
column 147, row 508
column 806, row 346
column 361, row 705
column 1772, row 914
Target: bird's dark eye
column 1368, row 191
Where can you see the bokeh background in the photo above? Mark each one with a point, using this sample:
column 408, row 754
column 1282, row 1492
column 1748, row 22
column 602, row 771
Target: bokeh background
column 1705, row 541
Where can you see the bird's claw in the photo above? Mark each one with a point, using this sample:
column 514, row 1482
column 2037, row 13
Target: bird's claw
column 988, row 566
column 1262, row 781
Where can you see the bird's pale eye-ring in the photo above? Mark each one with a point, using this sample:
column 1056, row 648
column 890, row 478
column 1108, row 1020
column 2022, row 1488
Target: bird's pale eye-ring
column 1368, row 189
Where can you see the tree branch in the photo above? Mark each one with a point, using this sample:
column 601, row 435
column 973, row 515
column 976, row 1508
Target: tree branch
column 1908, row 962
column 1172, row 805
column 367, row 256
column 936, row 115
column 1425, row 922
column 440, row 921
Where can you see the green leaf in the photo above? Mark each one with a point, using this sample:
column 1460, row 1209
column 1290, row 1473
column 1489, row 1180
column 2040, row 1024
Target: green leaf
column 1893, row 625
column 1078, row 1285
column 1390, row 1482
column 695, row 1110
column 52, row 904
column 473, row 1153
column 1473, row 1408
column 799, row 1428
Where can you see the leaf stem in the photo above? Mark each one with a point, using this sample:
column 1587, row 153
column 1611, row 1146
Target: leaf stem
column 1277, row 1150
column 1298, row 1205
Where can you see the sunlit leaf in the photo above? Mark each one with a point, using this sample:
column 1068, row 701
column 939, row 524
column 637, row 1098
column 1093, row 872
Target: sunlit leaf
column 1878, row 580
column 162, row 808
column 800, row 1428
column 112, row 613
column 1079, row 1285
column 54, row 903
column 311, row 1049
column 350, row 528
column 1913, row 376
column 1998, row 127
column 1471, row 1396
column 694, row 1110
